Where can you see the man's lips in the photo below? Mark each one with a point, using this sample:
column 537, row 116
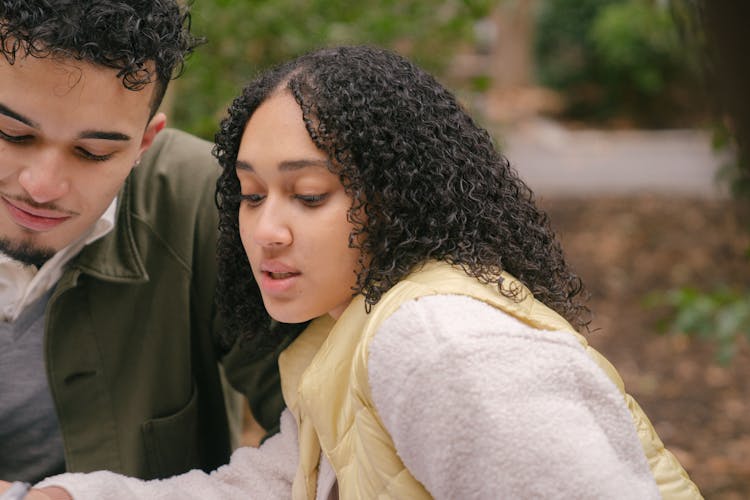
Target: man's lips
column 34, row 219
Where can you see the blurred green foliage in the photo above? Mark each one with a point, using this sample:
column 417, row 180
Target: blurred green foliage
column 735, row 171
column 689, row 17
column 564, row 51
column 246, row 36
column 614, row 58
column 720, row 316
column 638, row 47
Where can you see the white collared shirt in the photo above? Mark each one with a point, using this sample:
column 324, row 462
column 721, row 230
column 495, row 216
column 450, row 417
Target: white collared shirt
column 21, row 284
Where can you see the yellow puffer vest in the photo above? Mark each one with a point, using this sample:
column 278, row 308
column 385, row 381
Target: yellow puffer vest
column 325, row 385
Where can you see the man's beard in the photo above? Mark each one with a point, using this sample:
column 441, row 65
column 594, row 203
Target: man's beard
column 25, row 252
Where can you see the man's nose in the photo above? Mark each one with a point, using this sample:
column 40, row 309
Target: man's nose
column 45, row 179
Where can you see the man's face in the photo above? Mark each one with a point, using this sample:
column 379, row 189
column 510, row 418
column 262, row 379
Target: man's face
column 70, row 133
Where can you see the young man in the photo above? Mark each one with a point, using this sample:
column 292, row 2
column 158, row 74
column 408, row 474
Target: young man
column 107, row 251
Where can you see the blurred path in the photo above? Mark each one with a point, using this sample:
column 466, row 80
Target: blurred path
column 561, row 162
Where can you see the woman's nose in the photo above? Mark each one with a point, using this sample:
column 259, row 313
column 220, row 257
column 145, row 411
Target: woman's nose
column 271, row 228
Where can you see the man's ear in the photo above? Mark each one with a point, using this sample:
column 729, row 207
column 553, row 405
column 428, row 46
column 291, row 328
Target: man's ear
column 155, row 125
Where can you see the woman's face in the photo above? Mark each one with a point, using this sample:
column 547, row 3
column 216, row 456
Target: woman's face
column 293, row 216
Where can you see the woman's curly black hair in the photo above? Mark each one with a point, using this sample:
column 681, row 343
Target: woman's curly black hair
column 141, row 39
column 426, row 179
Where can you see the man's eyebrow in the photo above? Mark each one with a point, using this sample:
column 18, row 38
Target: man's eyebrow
column 86, row 134
column 12, row 114
column 288, row 164
column 101, row 134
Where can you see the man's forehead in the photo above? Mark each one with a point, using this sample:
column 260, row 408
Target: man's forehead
column 35, row 85
column 71, row 64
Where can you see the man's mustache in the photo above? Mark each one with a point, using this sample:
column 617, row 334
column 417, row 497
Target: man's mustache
column 35, row 204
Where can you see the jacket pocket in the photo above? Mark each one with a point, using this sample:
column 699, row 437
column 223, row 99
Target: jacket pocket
column 171, row 442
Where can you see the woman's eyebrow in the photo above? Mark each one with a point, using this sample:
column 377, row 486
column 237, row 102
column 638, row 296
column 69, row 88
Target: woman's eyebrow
column 302, row 163
column 243, row 165
column 288, row 165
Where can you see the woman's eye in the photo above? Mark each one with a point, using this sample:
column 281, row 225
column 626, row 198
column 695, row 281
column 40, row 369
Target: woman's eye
column 16, row 139
column 251, row 199
column 312, row 200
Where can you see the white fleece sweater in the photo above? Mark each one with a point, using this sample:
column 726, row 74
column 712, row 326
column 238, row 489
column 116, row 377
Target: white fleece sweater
column 479, row 405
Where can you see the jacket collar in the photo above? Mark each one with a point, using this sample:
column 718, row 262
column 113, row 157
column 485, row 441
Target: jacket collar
column 115, row 256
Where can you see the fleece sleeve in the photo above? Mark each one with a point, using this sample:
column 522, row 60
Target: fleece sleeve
column 262, row 473
column 480, row 405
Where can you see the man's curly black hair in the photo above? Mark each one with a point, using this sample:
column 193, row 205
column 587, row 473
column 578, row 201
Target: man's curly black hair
column 144, row 40
column 427, row 179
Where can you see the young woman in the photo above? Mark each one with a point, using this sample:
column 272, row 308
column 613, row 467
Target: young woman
column 439, row 356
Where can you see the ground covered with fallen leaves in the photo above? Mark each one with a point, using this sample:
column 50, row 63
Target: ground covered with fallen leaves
column 627, row 248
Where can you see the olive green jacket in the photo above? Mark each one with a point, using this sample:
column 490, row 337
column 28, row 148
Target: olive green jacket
column 129, row 336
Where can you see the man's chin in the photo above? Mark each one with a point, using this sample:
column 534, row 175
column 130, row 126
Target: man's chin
column 26, row 252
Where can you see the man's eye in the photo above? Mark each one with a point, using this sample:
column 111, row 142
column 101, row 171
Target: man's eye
column 312, row 200
column 15, row 138
column 87, row 155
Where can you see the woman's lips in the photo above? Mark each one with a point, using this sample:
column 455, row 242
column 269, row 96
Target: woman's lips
column 279, row 276
column 34, row 219
column 278, row 282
